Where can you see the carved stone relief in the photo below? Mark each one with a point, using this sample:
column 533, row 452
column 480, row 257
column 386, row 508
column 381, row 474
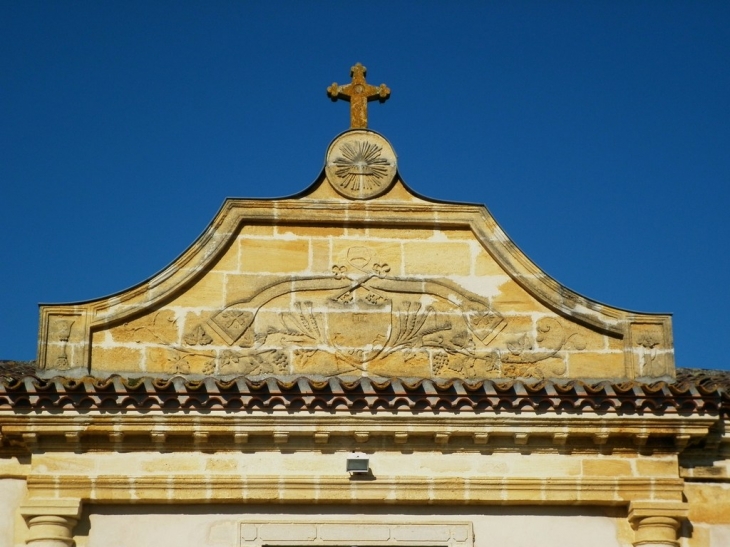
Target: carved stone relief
column 65, row 343
column 649, row 349
column 360, row 164
column 159, row 329
column 63, row 332
column 361, row 319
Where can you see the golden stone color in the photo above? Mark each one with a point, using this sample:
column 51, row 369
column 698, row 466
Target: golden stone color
column 360, row 164
column 356, row 277
column 358, row 316
column 358, row 93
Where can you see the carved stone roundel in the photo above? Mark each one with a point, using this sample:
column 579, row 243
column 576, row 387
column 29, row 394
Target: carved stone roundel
column 360, row 164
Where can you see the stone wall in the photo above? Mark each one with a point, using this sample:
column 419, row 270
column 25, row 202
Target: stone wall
column 302, row 526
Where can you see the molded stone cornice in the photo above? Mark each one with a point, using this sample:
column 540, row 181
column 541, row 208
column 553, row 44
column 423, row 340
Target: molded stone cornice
column 340, row 489
column 221, row 431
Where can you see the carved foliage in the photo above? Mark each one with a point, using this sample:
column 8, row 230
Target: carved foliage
column 366, row 320
column 360, row 319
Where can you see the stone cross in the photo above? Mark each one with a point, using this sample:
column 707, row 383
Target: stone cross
column 358, row 93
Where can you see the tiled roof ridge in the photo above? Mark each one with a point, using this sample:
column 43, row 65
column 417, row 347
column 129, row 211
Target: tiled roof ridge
column 693, row 392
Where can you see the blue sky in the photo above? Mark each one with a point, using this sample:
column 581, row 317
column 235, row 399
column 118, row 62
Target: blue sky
column 597, row 133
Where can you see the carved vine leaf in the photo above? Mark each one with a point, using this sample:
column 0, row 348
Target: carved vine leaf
column 177, row 363
column 197, row 337
column 253, row 363
column 304, row 355
column 228, row 359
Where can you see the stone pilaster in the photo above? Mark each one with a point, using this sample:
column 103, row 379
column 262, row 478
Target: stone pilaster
column 51, row 521
column 657, row 522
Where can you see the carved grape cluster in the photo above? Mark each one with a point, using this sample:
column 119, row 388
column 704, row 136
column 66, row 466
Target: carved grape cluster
column 440, row 361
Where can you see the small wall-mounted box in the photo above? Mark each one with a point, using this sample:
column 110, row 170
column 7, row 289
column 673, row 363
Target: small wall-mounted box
column 357, row 462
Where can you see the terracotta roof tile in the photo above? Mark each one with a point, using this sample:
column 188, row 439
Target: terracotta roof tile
column 695, row 391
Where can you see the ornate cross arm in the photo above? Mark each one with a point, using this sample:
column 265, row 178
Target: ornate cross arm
column 358, row 93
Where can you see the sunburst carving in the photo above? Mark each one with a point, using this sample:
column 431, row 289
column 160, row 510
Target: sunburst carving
column 360, row 166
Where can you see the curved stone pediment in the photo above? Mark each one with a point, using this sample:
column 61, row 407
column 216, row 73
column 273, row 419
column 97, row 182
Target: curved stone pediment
column 369, row 280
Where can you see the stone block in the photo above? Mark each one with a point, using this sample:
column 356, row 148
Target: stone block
column 256, row 230
column 457, row 235
column 708, row 502
column 179, row 360
column 206, row 292
column 606, row 467
column 655, row 467
column 192, row 335
column 74, row 464
column 537, row 465
column 436, row 258
column 228, row 259
column 596, row 365
column 280, row 256
column 513, row 298
column 116, row 359
column 485, row 264
column 245, row 286
column 315, row 232
column 172, row 464
column 399, row 192
column 405, row 234
column 218, row 464
column 322, row 260
column 151, row 328
column 358, row 257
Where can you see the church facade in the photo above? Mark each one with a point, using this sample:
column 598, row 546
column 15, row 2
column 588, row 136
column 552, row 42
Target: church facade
column 359, row 366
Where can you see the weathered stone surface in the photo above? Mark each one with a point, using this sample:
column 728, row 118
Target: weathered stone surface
column 362, row 279
column 368, row 280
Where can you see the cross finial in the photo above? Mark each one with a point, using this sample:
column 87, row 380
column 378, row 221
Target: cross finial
column 358, row 93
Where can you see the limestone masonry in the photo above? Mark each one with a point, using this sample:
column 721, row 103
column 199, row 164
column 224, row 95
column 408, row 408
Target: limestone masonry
column 217, row 403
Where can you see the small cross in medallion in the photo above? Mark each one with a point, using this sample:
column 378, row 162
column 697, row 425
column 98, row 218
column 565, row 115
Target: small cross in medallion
column 358, row 93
